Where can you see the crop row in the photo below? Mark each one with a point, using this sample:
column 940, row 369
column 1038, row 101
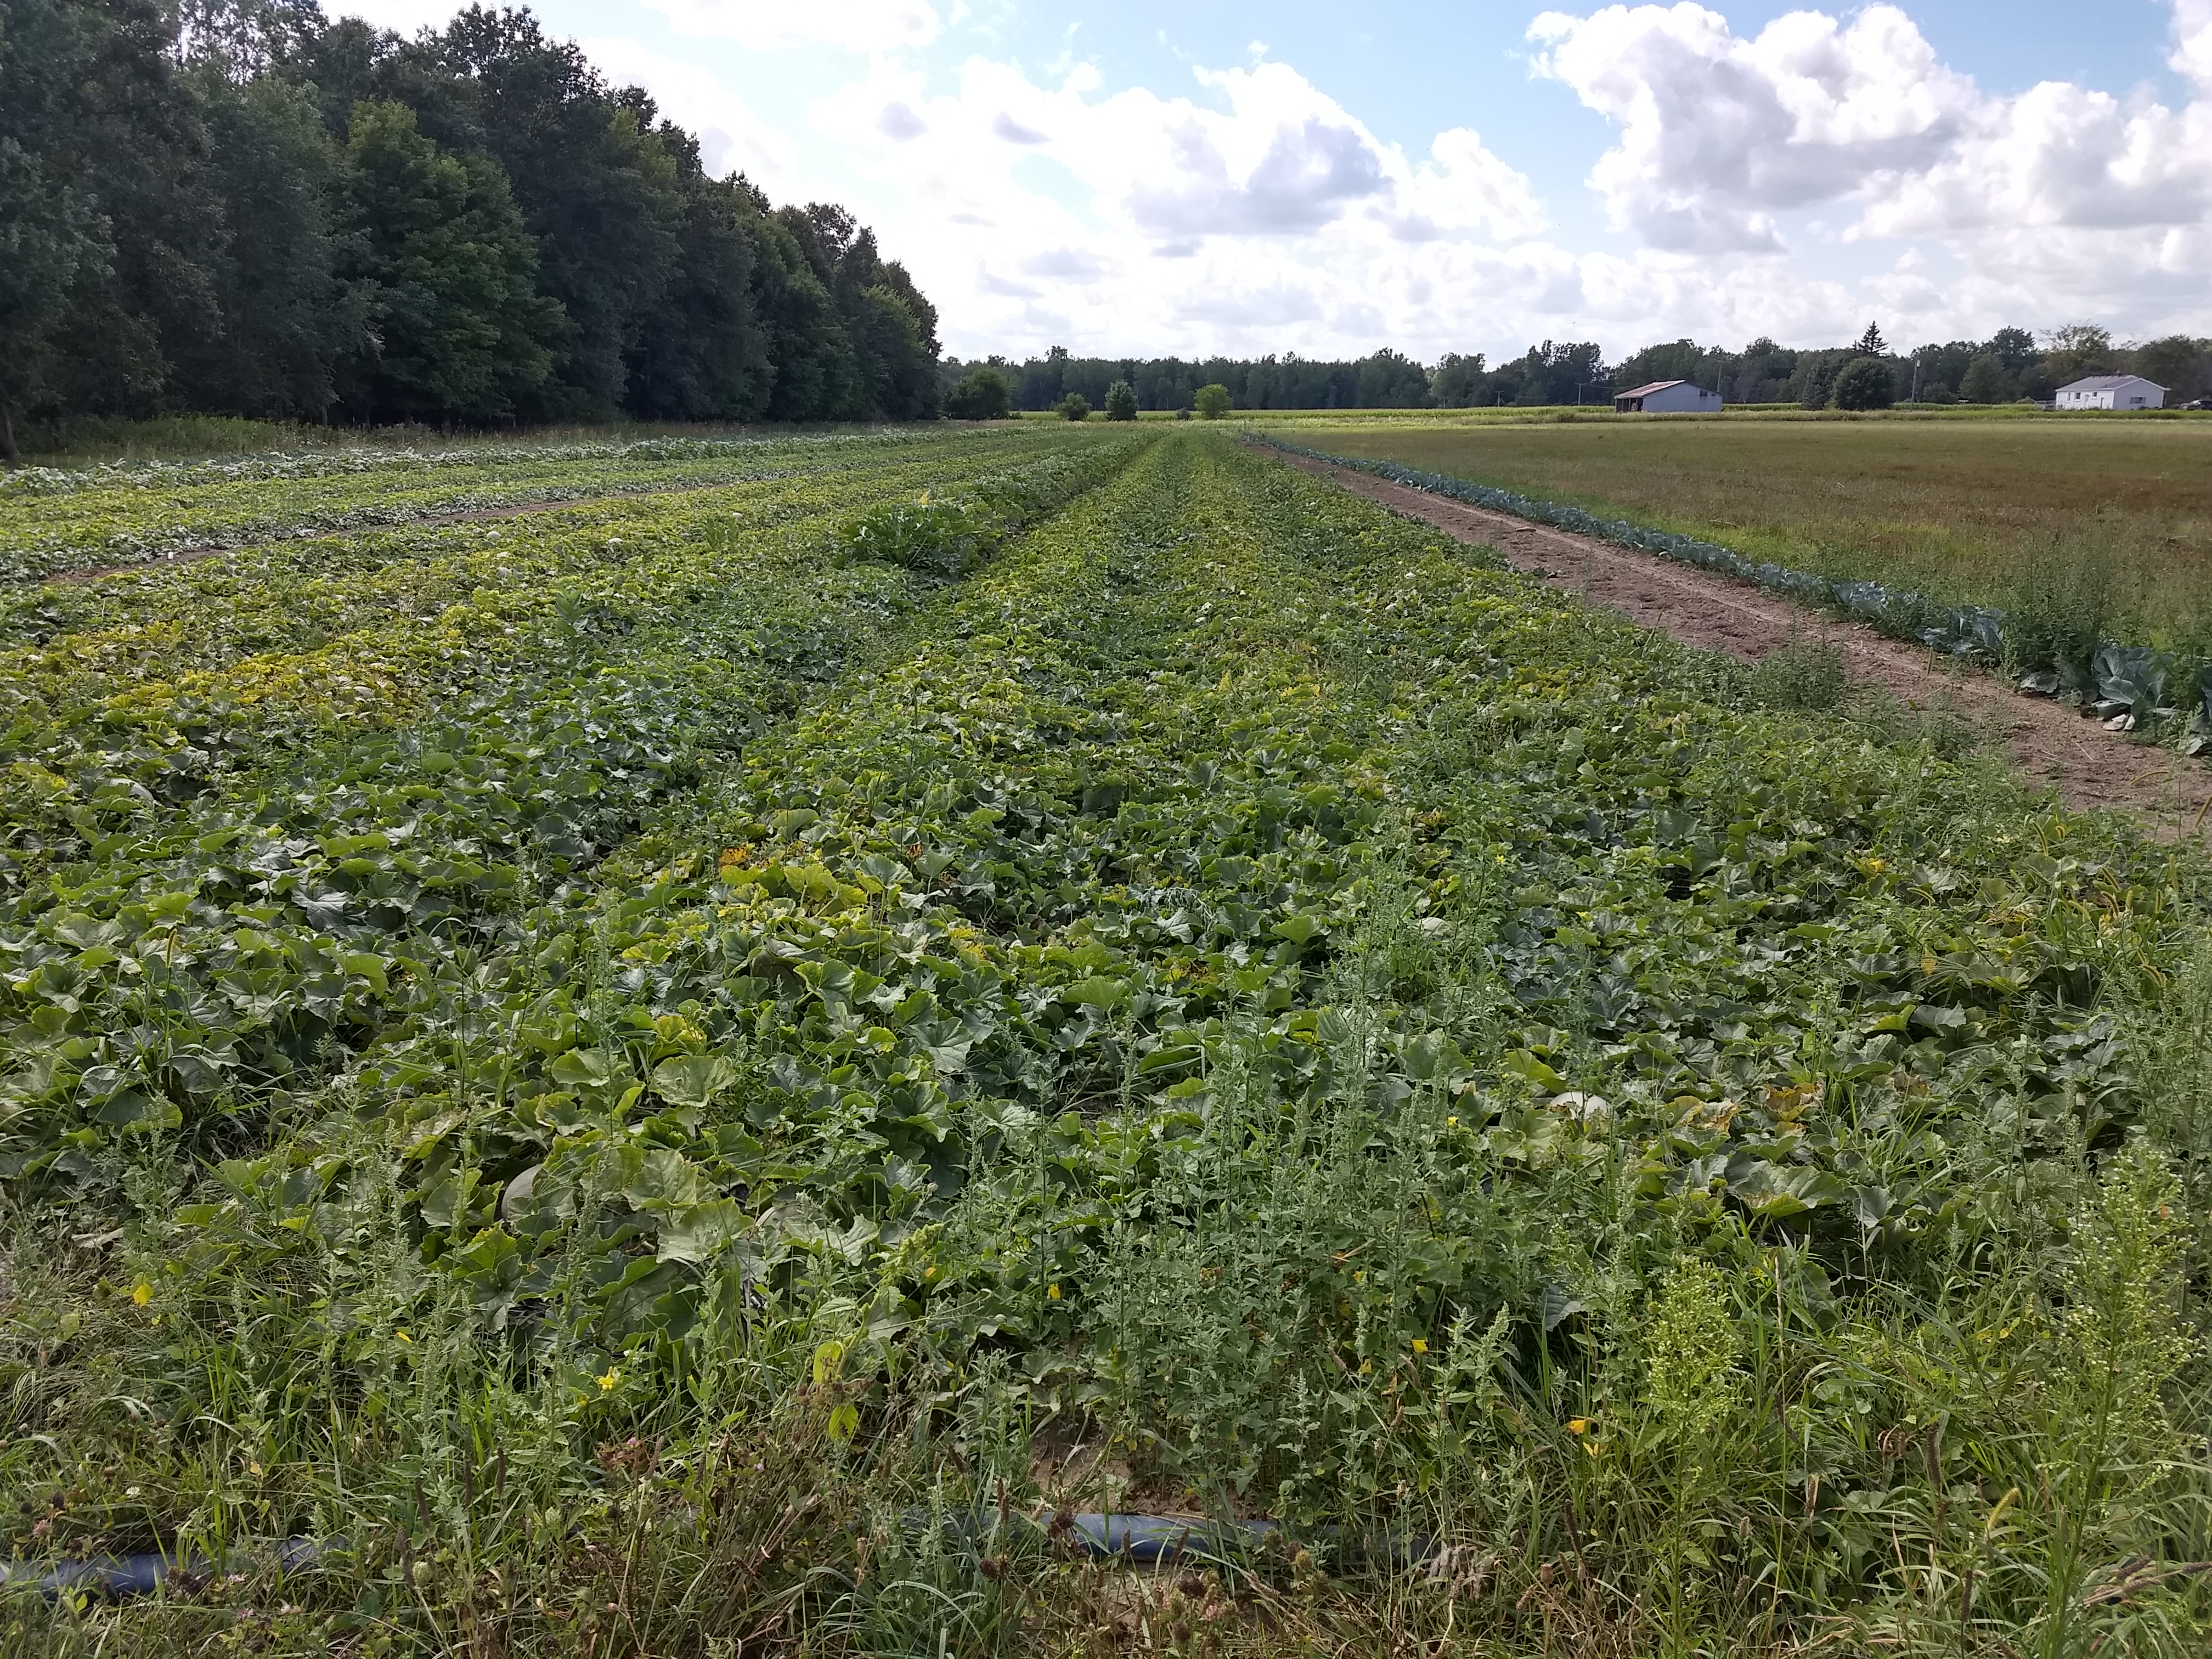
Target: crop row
column 288, row 818
column 139, row 515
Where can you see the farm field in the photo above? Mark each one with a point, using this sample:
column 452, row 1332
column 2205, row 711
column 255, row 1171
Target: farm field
column 685, row 1074
column 2109, row 520
column 146, row 512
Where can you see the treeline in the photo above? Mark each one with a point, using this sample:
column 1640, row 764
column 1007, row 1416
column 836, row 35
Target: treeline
column 238, row 207
column 1385, row 380
column 2009, row 366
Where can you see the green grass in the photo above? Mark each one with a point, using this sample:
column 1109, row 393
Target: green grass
column 1173, row 989
column 1966, row 509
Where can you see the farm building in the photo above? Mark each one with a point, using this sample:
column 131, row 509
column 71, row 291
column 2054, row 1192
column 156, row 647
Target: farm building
column 1666, row 398
column 2112, row 391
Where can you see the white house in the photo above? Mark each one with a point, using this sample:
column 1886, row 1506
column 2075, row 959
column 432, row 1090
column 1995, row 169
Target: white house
column 2112, row 391
column 1666, row 397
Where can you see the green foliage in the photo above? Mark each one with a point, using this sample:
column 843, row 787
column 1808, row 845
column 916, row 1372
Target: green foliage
column 943, row 538
column 702, row 352
column 1212, row 402
column 1801, row 674
column 2181, row 364
column 1985, row 381
column 2058, row 612
column 981, row 395
column 729, row 1076
column 1865, row 382
column 1121, row 402
column 290, row 319
column 2073, row 349
column 1072, row 407
column 1689, row 1349
column 597, row 190
column 462, row 329
column 50, row 229
column 194, row 227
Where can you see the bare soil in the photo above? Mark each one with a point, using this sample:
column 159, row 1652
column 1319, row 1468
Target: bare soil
column 2050, row 743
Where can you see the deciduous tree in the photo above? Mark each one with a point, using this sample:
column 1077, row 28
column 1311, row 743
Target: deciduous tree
column 459, row 330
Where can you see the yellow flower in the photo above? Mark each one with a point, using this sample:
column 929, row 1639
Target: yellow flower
column 1419, row 1347
column 402, row 1336
column 142, row 1293
column 1580, row 1426
column 1052, row 1290
column 1451, row 1123
column 607, row 1383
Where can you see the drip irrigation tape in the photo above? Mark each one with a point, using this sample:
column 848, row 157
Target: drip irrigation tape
column 119, row 1576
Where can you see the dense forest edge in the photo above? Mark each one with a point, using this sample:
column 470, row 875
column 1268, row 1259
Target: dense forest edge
column 240, row 208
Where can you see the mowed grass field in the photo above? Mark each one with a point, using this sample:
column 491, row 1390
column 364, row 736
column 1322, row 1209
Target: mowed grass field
column 698, row 1071
column 1964, row 510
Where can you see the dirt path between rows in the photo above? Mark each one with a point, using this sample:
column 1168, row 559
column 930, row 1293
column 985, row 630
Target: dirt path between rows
column 2051, row 745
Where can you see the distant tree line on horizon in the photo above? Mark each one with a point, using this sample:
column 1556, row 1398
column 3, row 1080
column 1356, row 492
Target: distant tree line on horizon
column 238, row 207
column 2009, row 366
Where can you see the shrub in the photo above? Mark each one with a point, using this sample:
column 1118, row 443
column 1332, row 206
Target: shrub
column 1073, row 407
column 1120, row 401
column 1864, row 383
column 944, row 537
column 981, row 395
column 1182, row 414
column 1213, row 402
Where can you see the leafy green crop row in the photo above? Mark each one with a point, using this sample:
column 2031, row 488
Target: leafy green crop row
column 1239, row 996
column 148, row 513
column 221, row 856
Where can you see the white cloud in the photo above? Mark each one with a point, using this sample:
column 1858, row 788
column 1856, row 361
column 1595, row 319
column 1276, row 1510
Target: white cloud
column 863, row 25
column 1033, row 211
column 406, row 17
column 2192, row 42
column 731, row 138
column 1004, row 125
column 1719, row 133
column 2059, row 199
column 1792, row 181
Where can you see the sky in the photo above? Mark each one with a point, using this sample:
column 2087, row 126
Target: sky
column 1138, row 177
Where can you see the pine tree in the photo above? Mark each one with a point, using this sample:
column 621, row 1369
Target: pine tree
column 1871, row 345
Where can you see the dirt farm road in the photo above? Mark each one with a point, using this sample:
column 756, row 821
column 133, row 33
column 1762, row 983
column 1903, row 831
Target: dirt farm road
column 2051, row 745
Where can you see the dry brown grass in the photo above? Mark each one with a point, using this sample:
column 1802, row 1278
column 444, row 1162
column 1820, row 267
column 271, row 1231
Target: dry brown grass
column 1959, row 509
